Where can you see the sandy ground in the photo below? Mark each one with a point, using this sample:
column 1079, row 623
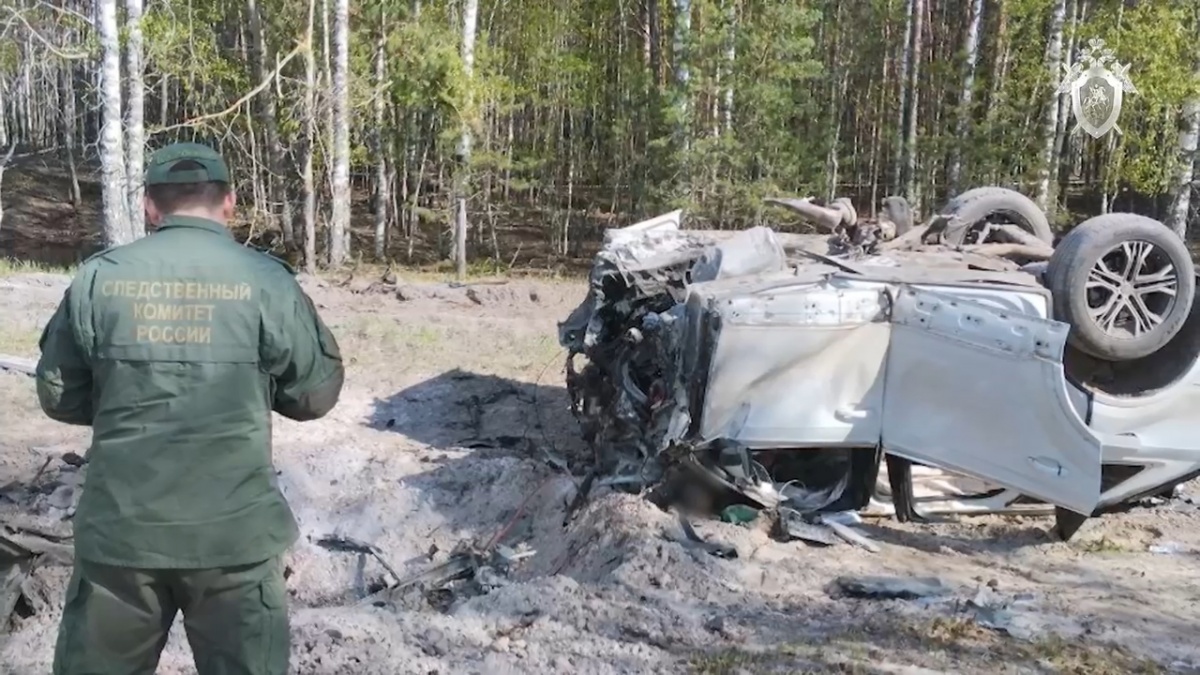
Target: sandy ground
column 452, row 404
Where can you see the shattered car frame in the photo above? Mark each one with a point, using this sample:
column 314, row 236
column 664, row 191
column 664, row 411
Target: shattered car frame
column 851, row 369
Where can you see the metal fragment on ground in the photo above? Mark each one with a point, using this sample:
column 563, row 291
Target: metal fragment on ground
column 691, row 538
column 793, row 526
column 851, row 535
column 892, row 588
column 350, row 545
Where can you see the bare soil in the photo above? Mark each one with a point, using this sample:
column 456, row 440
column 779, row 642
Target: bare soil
column 452, row 405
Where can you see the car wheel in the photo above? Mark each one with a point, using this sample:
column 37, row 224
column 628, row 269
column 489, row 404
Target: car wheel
column 968, row 213
column 898, row 211
column 1124, row 282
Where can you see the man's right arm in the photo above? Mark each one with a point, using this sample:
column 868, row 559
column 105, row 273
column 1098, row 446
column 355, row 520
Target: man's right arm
column 302, row 357
column 64, row 377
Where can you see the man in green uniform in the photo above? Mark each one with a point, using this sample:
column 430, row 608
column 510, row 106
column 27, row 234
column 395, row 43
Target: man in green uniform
column 175, row 349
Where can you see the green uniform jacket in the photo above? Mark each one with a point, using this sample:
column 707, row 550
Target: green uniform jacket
column 174, row 350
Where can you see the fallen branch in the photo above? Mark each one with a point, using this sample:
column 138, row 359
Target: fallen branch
column 36, row 153
column 17, row 364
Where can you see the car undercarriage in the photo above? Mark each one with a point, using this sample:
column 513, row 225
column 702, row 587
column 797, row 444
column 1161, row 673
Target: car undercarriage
column 964, row 365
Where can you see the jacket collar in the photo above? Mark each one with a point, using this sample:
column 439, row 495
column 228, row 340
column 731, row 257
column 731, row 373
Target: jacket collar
column 194, row 222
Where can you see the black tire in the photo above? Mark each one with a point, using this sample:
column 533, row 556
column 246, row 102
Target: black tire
column 897, row 210
column 969, row 209
column 1083, row 282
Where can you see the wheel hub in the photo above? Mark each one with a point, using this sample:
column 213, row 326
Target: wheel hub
column 1131, row 289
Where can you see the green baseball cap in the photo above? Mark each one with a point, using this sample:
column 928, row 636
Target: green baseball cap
column 213, row 168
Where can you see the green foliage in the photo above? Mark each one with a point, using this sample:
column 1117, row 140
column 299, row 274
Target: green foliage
column 1158, row 42
column 564, row 91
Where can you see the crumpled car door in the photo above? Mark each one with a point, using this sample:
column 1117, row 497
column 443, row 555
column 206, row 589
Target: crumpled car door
column 980, row 390
column 799, row 366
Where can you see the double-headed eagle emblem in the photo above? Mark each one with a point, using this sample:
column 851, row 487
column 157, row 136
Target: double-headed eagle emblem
column 1096, row 91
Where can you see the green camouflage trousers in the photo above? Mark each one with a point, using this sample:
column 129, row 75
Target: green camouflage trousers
column 115, row 619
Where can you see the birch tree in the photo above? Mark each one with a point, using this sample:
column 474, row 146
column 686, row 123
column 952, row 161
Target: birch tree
column 382, row 198
column 912, row 187
column 67, row 134
column 3, row 113
column 1077, row 11
column 731, row 19
column 339, row 226
column 470, row 17
column 114, row 186
column 135, row 131
column 1184, row 188
column 905, row 76
column 1054, row 48
column 653, row 45
column 682, row 102
column 966, row 96
column 276, row 185
column 577, row 116
column 310, row 141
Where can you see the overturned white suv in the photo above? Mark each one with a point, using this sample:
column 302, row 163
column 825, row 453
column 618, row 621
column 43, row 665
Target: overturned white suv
column 796, row 370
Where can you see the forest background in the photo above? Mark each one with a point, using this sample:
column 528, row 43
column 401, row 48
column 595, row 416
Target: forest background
column 396, row 130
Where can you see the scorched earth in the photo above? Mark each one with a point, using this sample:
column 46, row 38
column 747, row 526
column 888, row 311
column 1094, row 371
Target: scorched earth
column 454, row 450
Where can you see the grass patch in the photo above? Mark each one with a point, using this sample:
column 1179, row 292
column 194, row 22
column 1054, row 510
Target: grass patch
column 444, row 273
column 1068, row 657
column 478, row 345
column 18, row 340
column 440, row 273
column 1102, row 545
column 952, row 644
column 11, row 267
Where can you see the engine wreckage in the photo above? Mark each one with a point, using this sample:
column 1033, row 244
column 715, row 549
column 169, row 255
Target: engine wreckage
column 959, row 366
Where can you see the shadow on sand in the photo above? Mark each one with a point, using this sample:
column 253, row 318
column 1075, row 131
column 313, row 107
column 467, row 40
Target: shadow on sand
column 471, row 410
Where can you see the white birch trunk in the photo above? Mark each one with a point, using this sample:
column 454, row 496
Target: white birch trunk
column 3, row 114
column 1054, row 48
column 339, row 226
column 277, row 186
column 1189, row 135
column 135, row 129
column 902, row 109
column 68, row 132
column 114, row 186
column 966, row 96
column 382, row 177
column 310, row 141
column 683, row 75
column 912, row 192
column 1076, row 13
column 470, row 18
column 653, row 46
column 730, row 61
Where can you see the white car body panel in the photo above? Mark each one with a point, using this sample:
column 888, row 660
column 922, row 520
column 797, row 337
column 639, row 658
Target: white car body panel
column 819, row 364
column 819, row 356
column 799, row 366
column 1027, row 435
column 1159, row 431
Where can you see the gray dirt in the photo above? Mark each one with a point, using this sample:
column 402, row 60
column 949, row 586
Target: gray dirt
column 453, row 405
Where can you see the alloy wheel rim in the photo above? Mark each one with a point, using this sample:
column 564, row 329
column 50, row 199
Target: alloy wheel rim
column 1131, row 289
